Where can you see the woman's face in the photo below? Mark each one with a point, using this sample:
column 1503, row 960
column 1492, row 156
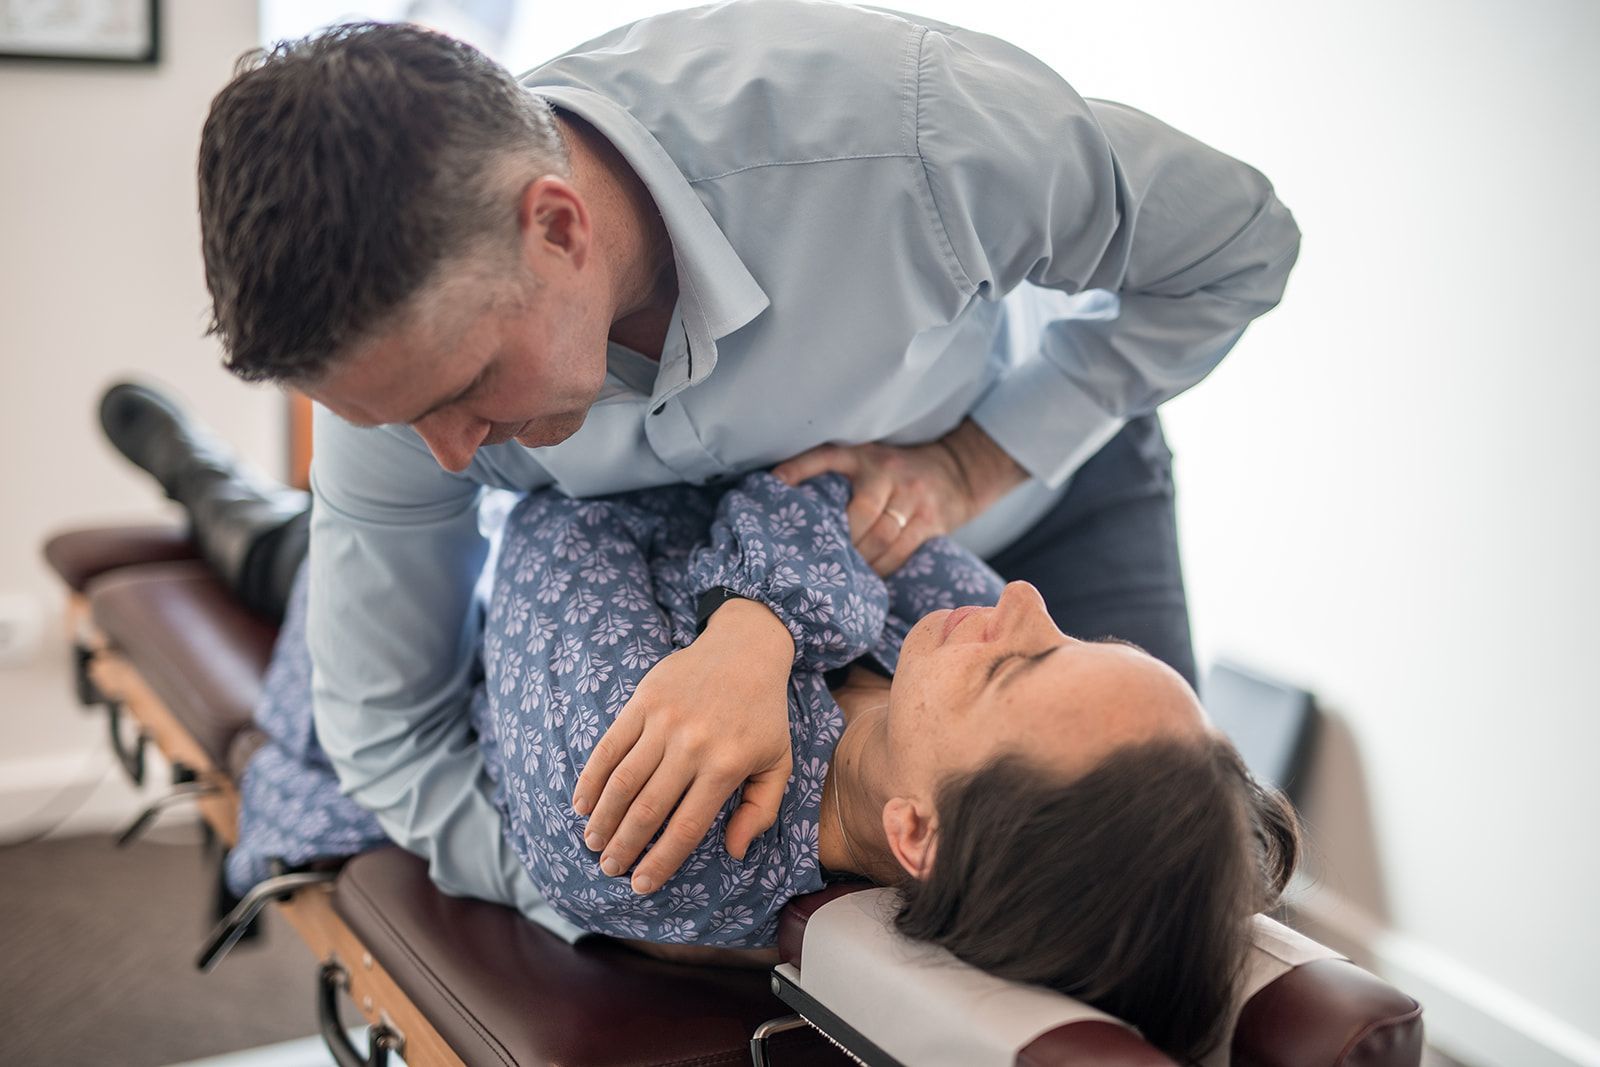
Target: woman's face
column 974, row 683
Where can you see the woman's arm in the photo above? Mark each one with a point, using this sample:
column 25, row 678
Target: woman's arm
column 590, row 597
column 788, row 547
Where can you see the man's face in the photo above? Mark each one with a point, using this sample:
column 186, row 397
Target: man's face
column 478, row 359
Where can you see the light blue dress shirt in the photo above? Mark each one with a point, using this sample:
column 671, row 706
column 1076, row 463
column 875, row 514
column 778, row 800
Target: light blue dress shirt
column 882, row 225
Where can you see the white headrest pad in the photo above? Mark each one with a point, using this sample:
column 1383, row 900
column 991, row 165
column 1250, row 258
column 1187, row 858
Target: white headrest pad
column 921, row 1005
column 916, row 1001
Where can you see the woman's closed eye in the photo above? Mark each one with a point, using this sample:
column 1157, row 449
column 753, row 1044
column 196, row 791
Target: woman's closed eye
column 1002, row 660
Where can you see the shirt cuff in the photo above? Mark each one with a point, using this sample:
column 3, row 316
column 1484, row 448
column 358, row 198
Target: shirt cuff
column 1044, row 421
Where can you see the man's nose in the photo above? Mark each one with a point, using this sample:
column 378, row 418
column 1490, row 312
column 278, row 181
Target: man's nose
column 453, row 439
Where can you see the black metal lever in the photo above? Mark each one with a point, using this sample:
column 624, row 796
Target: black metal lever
column 181, row 792
column 231, row 929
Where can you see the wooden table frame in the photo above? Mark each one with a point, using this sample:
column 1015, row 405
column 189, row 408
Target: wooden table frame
column 310, row 910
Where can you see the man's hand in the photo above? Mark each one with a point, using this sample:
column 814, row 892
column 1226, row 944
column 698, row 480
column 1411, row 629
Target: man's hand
column 704, row 720
column 903, row 496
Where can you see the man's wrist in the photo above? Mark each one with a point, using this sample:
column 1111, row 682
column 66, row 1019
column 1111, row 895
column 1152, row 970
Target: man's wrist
column 986, row 469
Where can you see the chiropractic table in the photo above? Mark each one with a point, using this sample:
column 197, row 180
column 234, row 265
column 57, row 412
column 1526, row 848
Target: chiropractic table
column 177, row 664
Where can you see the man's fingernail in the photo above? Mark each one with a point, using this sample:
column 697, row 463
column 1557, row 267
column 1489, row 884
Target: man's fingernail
column 643, row 885
column 611, row 866
column 580, row 804
column 594, row 841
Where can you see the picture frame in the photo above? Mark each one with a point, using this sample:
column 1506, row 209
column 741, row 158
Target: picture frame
column 81, row 31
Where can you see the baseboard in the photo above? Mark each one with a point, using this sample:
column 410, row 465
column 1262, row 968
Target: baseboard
column 80, row 793
column 1469, row 1017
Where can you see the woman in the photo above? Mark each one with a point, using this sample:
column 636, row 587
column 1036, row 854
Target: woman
column 1052, row 810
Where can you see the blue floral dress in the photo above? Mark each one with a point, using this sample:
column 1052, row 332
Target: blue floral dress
column 588, row 595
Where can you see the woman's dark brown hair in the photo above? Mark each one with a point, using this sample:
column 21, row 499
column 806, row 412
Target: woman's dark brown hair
column 1130, row 888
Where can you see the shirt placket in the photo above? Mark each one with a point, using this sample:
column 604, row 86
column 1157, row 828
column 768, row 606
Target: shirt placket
column 668, row 428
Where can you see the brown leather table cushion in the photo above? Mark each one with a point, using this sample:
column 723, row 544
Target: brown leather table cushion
column 201, row 652
column 82, row 555
column 1329, row 1012
column 501, row 990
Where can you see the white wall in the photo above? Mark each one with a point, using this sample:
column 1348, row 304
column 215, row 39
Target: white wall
column 1388, row 489
column 100, row 277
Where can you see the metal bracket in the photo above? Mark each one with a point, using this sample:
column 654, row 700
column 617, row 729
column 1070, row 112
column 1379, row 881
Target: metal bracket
column 758, row 1040
column 181, row 792
column 844, row 1037
column 381, row 1039
column 88, row 693
column 231, row 929
column 132, row 760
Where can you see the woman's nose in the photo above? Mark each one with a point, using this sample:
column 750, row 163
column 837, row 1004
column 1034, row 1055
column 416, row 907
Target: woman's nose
column 452, row 438
column 1022, row 607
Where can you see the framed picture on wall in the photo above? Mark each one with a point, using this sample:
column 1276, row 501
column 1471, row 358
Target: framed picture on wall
column 94, row 31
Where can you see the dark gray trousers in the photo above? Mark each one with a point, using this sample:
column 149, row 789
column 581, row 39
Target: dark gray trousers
column 1106, row 559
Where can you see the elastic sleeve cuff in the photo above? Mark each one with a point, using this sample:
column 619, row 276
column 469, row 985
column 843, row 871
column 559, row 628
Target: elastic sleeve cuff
column 1044, row 421
column 789, row 549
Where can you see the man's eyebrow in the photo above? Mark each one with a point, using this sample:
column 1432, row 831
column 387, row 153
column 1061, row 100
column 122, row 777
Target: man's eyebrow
column 453, row 397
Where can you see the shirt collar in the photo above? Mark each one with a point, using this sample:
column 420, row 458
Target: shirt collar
column 716, row 291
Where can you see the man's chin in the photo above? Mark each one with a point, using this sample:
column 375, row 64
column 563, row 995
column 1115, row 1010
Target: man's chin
column 549, row 432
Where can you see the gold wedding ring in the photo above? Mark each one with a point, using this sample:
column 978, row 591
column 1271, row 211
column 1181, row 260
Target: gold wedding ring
column 897, row 517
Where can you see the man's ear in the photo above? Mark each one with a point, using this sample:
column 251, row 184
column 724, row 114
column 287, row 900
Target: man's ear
column 912, row 830
column 554, row 221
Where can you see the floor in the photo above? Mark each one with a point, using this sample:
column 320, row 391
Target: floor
column 97, row 950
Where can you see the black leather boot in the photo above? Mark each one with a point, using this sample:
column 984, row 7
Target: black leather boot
column 232, row 507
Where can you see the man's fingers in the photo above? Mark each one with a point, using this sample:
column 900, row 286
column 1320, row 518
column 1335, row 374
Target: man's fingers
column 616, row 800
column 816, row 461
column 613, row 746
column 901, row 549
column 868, row 495
column 880, row 538
column 757, row 811
column 683, row 834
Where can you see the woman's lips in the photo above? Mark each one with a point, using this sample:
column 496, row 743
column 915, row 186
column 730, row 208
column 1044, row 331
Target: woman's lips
column 953, row 620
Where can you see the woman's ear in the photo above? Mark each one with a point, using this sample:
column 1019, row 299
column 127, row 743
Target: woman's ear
column 912, row 831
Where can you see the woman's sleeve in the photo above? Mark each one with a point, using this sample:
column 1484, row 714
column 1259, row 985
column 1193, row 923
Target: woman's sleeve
column 789, row 548
column 589, row 595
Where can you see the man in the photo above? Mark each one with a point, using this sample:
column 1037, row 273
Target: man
column 769, row 232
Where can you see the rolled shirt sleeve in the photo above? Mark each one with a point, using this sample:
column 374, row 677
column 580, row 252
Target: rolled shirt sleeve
column 1032, row 183
column 396, row 552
